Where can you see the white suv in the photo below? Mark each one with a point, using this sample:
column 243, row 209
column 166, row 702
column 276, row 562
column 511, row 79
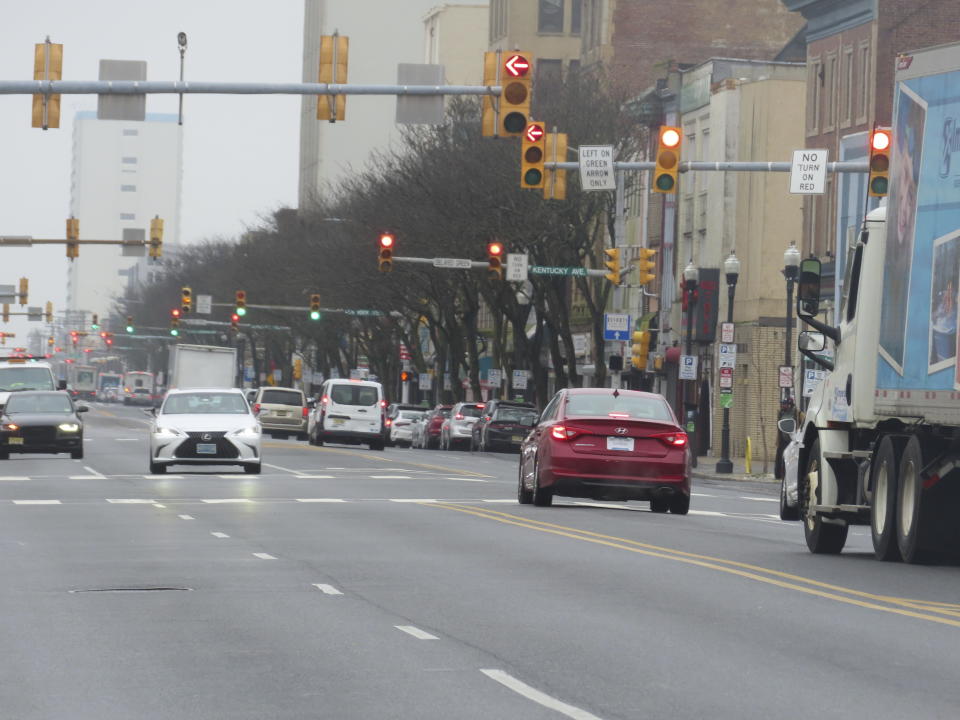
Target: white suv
column 349, row 411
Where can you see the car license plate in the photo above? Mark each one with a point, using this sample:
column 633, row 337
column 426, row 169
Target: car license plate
column 518, row 438
column 337, row 422
column 206, row 449
column 618, row 443
column 281, row 413
column 15, row 441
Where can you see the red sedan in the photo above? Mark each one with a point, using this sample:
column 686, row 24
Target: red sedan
column 607, row 445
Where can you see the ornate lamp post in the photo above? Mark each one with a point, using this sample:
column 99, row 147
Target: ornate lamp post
column 691, row 275
column 731, row 267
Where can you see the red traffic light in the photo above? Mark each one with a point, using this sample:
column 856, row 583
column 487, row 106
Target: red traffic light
column 495, row 248
column 534, row 132
column 670, row 137
column 516, row 66
column 386, row 240
column 175, row 313
column 234, row 318
column 880, row 140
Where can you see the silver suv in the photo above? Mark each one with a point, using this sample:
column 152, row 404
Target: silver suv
column 282, row 411
column 458, row 428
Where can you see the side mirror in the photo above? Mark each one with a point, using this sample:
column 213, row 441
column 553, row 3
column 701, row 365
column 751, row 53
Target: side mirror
column 150, row 411
column 62, row 385
column 808, row 290
column 811, row 341
column 787, row 425
column 82, row 408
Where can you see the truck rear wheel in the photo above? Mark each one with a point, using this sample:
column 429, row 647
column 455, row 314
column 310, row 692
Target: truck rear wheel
column 911, row 513
column 823, row 537
column 884, row 481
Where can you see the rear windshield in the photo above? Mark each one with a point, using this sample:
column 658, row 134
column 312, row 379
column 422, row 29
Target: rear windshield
column 281, row 397
column 364, row 395
column 471, row 411
column 26, row 378
column 208, row 403
column 521, row 416
column 410, row 414
column 38, row 404
column 645, row 408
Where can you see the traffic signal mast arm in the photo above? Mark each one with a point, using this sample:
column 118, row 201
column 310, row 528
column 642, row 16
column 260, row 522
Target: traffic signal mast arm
column 856, row 166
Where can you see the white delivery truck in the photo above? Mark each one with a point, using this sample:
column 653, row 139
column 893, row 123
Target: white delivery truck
column 82, row 381
column 138, row 388
column 109, row 386
column 201, row 366
column 880, row 443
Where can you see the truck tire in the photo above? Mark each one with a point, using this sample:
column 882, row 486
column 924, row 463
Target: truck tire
column 884, row 481
column 911, row 513
column 823, row 538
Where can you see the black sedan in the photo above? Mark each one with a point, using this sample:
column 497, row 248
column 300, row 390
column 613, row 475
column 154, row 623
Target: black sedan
column 41, row 422
column 505, row 428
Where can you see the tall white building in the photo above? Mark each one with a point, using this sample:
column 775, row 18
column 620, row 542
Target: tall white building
column 455, row 36
column 124, row 173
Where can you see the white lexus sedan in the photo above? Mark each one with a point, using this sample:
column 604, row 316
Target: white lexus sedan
column 205, row 427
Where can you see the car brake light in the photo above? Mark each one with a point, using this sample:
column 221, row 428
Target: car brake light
column 11, row 426
column 619, row 416
column 324, row 399
column 256, row 408
column 480, row 405
column 383, row 403
column 306, row 411
column 559, row 432
column 458, row 416
column 675, row 439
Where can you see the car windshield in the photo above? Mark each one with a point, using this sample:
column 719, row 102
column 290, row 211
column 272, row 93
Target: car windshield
column 206, row 403
column 520, row 416
column 365, row 395
column 410, row 414
column 603, row 404
column 38, row 404
column 471, row 411
column 26, row 378
column 281, row 397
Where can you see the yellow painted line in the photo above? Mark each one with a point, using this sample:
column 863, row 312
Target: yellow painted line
column 369, row 456
column 757, row 573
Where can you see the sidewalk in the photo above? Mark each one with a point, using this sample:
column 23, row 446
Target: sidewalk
column 707, row 468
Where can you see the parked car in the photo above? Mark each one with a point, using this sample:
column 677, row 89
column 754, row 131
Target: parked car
column 393, row 410
column 41, row 422
column 504, row 429
column 282, row 411
column 489, row 410
column 607, row 445
column 432, row 423
column 457, row 426
column 401, row 429
column 351, row 412
column 789, row 502
column 416, row 429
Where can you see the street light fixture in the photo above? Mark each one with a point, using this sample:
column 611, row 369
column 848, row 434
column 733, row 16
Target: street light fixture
column 731, row 268
column 691, row 276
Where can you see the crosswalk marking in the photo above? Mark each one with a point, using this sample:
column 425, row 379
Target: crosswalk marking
column 11, row 478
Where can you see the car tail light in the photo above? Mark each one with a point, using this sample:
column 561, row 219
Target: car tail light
column 458, row 416
column 325, row 399
column 559, row 432
column 480, row 405
column 674, row 439
column 383, row 403
column 305, row 411
column 256, row 409
column 619, row 416
column 11, row 426
column 388, row 422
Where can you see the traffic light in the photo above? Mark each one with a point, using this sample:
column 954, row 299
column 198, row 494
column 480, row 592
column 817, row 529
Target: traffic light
column 107, row 338
column 880, row 147
column 646, row 265
column 24, row 287
column 613, row 264
column 515, row 95
column 488, row 122
column 74, row 337
column 186, row 299
column 156, row 237
column 555, row 181
column 315, row 307
column 48, row 312
column 533, row 155
column 386, row 252
column 175, row 322
column 240, row 303
column 235, row 322
column 404, row 376
column 95, row 322
column 495, row 261
column 50, row 340
column 333, row 70
column 668, row 160
column 130, row 323
column 640, row 349
column 73, row 237
column 47, row 65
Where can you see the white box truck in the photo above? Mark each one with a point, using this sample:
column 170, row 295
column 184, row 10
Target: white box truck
column 201, row 366
column 880, row 441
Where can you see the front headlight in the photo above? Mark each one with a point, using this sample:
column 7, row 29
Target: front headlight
column 68, row 427
column 251, row 432
column 167, row 432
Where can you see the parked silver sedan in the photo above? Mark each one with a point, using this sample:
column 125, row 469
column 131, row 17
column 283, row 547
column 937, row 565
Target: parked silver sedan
column 789, row 502
column 205, row 427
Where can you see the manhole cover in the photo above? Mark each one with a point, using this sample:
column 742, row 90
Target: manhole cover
column 161, row 588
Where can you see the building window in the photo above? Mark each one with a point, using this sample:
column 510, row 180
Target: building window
column 814, row 80
column 131, row 132
column 128, row 160
column 550, row 17
column 830, row 93
column 549, row 78
column 846, row 88
column 128, row 216
column 865, row 80
column 128, row 188
column 594, row 23
column 575, row 12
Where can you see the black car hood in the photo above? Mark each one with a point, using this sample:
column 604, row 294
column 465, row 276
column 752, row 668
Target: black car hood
column 40, row 419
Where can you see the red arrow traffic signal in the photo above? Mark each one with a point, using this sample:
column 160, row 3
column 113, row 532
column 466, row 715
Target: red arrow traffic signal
column 516, row 66
column 534, row 132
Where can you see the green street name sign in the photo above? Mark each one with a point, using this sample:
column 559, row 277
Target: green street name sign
column 548, row 270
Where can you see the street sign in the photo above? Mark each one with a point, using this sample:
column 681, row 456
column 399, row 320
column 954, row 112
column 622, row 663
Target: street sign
column 786, row 376
column 811, row 379
column 616, row 326
column 726, row 332
column 519, row 379
column 581, row 344
column 8, row 294
column 204, row 304
column 728, row 355
column 688, row 367
column 424, row 381
column 34, row 314
column 495, row 377
column 404, row 352
column 447, row 382
column 458, row 263
column 596, row 167
column 552, row 270
column 517, row 264
column 726, row 398
column 726, row 377
column 808, row 172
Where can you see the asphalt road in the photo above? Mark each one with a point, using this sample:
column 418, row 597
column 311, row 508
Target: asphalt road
column 346, row 583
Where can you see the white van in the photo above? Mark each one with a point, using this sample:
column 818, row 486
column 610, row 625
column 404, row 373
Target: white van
column 349, row 411
column 18, row 374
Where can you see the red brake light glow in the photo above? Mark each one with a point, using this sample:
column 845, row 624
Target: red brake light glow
column 559, row 432
column 325, row 399
column 306, row 411
column 458, row 416
column 383, row 403
column 675, row 439
column 11, row 426
column 619, row 416
column 256, row 408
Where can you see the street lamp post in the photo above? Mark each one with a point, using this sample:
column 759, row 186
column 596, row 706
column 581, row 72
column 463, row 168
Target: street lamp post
column 791, row 270
column 690, row 278
column 731, row 267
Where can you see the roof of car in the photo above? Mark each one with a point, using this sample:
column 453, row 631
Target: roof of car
column 180, row 391
column 42, row 392
column 608, row 391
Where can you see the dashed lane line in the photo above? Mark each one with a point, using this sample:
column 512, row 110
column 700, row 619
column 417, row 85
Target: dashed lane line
column 186, row 517
column 416, row 632
column 36, row 502
column 219, row 535
column 131, row 501
column 264, row 556
column 320, row 500
column 541, row 698
column 327, row 589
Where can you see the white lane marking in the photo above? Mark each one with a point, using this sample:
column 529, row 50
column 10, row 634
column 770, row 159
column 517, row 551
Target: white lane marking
column 541, row 698
column 36, row 502
column 759, row 499
column 280, row 467
column 186, row 517
column 389, row 477
column 314, row 477
column 702, row 495
column 709, row 513
column 93, row 472
column 508, row 500
column 416, row 632
column 264, row 556
column 159, row 505
column 131, row 501
column 163, row 477
column 219, row 535
column 221, row 501
column 234, row 477
column 11, row 478
column 128, row 439
column 327, row 589
column 87, row 477
column 329, row 468
column 467, row 479
column 610, row 506
column 320, row 500
column 413, row 500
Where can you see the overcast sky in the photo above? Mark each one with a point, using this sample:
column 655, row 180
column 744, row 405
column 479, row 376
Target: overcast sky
column 240, row 152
